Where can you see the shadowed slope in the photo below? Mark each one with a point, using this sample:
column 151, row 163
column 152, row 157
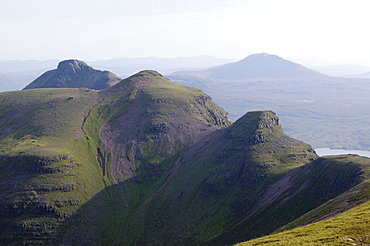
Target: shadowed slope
column 219, row 178
column 47, row 168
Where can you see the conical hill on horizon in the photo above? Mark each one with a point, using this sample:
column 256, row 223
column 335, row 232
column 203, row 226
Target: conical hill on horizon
column 255, row 66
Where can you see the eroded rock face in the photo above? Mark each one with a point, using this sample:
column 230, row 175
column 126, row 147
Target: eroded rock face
column 72, row 67
column 75, row 74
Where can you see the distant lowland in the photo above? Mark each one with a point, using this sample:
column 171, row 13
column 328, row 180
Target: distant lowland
column 221, row 155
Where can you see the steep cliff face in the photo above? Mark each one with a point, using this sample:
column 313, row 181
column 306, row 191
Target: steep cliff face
column 74, row 74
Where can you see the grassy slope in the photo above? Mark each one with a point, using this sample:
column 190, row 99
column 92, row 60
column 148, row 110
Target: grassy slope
column 351, row 219
column 48, row 163
column 349, row 228
column 349, row 199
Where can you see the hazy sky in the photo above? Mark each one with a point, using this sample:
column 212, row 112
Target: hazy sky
column 103, row 29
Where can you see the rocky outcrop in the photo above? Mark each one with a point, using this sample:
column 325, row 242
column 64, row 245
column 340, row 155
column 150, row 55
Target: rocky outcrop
column 75, row 74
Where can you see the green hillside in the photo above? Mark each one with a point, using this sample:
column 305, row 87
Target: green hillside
column 348, row 228
column 53, row 160
column 48, row 169
column 227, row 173
column 341, row 220
column 151, row 162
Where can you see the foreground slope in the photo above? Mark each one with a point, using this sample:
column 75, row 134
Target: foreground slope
column 342, row 220
column 348, row 228
column 74, row 74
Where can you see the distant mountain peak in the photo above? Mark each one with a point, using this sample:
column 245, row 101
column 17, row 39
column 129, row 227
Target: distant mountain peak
column 262, row 65
column 75, row 74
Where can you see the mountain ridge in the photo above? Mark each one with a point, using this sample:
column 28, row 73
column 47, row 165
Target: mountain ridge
column 149, row 161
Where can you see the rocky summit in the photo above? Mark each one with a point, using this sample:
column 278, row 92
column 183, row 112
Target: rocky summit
column 74, row 74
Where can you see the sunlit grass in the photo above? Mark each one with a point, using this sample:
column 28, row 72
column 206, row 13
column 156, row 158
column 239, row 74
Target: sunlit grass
column 349, row 228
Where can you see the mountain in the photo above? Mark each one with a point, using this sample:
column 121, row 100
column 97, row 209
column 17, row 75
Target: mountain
column 225, row 173
column 151, row 162
column 53, row 158
column 305, row 100
column 74, row 74
column 247, row 180
column 256, row 66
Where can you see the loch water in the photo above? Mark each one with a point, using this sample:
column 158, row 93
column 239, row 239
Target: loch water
column 328, row 151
